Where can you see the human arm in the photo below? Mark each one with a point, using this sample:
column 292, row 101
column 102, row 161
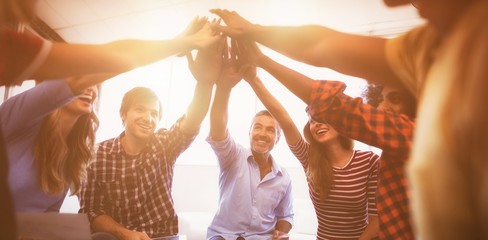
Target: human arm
column 282, row 229
column 284, row 214
column 229, row 77
column 351, row 117
column 119, row 56
column 105, row 223
column 372, row 229
column 251, row 53
column 95, row 200
column 206, row 70
column 355, row 55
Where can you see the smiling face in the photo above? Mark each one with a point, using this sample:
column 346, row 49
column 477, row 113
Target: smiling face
column 83, row 104
column 322, row 132
column 140, row 112
column 263, row 134
column 141, row 119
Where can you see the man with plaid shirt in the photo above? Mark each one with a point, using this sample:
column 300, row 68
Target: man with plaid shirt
column 128, row 190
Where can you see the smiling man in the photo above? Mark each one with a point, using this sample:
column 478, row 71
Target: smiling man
column 128, row 190
column 255, row 200
column 127, row 194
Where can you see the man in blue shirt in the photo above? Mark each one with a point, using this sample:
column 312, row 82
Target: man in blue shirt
column 255, row 200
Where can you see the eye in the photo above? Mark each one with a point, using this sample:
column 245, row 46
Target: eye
column 395, row 98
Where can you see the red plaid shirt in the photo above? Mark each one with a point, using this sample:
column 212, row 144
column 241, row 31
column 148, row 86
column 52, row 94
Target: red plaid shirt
column 391, row 132
column 136, row 190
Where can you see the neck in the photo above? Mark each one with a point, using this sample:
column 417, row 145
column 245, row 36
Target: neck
column 337, row 155
column 131, row 145
column 262, row 159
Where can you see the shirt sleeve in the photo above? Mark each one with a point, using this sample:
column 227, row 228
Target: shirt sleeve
column 22, row 111
column 91, row 196
column 227, row 151
column 174, row 141
column 301, row 151
column 22, row 55
column 372, row 185
column 285, row 207
column 357, row 120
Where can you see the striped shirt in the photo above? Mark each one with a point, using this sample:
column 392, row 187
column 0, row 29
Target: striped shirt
column 344, row 213
column 136, row 190
column 390, row 132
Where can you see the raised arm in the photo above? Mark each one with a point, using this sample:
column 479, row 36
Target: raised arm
column 355, row 55
column 206, row 70
column 65, row 60
column 229, row 77
column 250, row 52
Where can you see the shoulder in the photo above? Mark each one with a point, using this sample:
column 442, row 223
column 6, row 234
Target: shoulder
column 369, row 156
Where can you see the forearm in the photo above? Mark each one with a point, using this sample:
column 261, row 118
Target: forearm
column 297, row 83
column 114, row 57
column 198, row 108
column 290, row 130
column 371, row 231
column 218, row 114
column 283, row 226
column 105, row 223
column 350, row 54
column 294, row 42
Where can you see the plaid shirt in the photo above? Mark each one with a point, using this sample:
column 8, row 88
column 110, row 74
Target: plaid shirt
column 136, row 190
column 391, row 132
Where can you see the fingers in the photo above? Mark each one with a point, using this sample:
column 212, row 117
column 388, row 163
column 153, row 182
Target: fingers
column 189, row 58
column 234, row 53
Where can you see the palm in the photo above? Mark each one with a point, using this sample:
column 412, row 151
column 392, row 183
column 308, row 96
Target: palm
column 206, row 67
column 230, row 74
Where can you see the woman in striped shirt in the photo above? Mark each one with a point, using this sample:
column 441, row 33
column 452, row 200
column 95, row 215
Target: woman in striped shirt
column 342, row 181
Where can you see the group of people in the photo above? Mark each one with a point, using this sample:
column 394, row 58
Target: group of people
column 429, row 122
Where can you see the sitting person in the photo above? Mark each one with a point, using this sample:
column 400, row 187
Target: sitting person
column 342, row 181
column 128, row 190
column 49, row 144
column 255, row 200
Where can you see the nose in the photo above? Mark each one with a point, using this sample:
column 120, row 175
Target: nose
column 384, row 106
column 147, row 116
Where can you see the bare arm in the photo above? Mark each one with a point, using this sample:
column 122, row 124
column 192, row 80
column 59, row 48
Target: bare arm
column 65, row 60
column 282, row 227
column 79, row 84
column 250, row 52
column 105, row 223
column 229, row 77
column 206, row 70
column 355, row 55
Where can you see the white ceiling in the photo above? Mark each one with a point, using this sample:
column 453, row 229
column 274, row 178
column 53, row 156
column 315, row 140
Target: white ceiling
column 99, row 21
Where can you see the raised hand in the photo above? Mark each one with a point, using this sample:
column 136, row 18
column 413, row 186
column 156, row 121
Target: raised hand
column 230, row 74
column 236, row 25
column 249, row 58
column 207, row 65
column 195, row 25
column 205, row 36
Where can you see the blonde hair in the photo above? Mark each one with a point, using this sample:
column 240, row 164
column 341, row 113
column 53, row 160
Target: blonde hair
column 59, row 161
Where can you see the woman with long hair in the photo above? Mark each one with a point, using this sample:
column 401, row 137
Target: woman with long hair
column 50, row 143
